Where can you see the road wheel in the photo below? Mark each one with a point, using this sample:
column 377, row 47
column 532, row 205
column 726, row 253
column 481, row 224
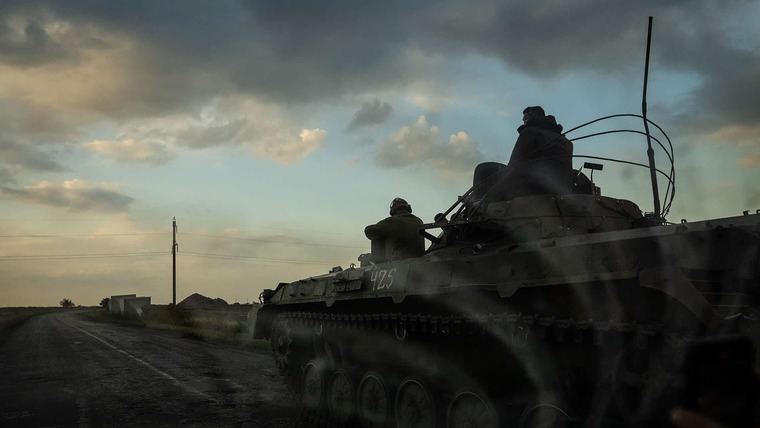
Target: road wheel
column 313, row 386
column 373, row 403
column 282, row 344
column 415, row 406
column 470, row 409
column 340, row 397
column 545, row 415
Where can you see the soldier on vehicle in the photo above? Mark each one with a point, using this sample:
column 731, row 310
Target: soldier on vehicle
column 396, row 237
column 541, row 161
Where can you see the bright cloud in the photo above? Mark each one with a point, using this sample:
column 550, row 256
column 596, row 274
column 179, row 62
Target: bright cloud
column 461, row 152
column 287, row 149
column 269, row 130
column 411, row 144
column 419, row 143
column 132, row 151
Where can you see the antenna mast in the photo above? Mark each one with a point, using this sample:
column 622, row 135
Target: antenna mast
column 650, row 151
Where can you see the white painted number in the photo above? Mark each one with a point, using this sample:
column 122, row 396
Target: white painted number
column 382, row 279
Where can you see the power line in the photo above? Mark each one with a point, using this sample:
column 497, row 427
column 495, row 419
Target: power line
column 89, row 256
column 78, row 219
column 79, row 256
column 80, row 235
column 191, row 234
column 56, row 219
column 112, row 261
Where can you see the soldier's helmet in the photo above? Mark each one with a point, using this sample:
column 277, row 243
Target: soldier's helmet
column 400, row 205
column 533, row 114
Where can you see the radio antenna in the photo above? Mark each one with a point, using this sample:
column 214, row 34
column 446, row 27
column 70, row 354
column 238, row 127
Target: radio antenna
column 650, row 151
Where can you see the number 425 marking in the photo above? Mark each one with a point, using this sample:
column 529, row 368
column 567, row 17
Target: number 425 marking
column 382, row 279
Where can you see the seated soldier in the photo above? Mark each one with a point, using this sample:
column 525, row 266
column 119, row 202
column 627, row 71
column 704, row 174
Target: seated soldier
column 398, row 236
column 541, row 161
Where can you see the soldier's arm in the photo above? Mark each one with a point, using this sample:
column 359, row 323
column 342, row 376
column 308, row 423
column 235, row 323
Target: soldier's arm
column 376, row 231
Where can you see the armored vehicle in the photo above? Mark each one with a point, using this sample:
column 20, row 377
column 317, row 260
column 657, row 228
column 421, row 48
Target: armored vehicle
column 546, row 310
column 537, row 311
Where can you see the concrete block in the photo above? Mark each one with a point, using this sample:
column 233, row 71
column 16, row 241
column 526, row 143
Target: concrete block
column 133, row 306
column 116, row 304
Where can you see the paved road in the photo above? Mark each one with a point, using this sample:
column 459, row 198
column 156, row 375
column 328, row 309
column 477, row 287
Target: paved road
column 63, row 370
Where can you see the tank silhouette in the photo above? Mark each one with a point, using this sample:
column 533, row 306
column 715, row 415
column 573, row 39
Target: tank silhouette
column 546, row 310
column 536, row 311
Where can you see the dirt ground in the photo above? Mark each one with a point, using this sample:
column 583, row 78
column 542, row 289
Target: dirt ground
column 63, row 368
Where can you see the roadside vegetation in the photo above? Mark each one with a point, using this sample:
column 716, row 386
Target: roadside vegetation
column 13, row 317
column 229, row 324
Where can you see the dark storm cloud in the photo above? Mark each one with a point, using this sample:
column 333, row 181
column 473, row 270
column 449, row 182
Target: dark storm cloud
column 30, row 46
column 28, row 140
column 301, row 51
column 726, row 98
column 27, row 39
column 692, row 37
column 701, row 44
column 27, row 157
column 371, row 113
column 72, row 196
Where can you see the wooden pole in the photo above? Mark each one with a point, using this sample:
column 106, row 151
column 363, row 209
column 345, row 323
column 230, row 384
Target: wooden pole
column 174, row 261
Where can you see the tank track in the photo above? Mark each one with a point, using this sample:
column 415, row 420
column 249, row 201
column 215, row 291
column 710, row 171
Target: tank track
column 519, row 329
column 520, row 326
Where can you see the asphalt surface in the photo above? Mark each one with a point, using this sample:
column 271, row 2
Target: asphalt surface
column 64, row 370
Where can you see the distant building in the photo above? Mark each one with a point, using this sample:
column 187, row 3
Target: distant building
column 116, row 304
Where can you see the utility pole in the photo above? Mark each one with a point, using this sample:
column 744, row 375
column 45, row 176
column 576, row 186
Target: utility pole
column 174, row 261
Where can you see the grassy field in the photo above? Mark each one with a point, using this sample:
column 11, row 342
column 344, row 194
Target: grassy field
column 231, row 324
column 12, row 317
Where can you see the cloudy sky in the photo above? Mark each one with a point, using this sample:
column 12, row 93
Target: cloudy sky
column 275, row 131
